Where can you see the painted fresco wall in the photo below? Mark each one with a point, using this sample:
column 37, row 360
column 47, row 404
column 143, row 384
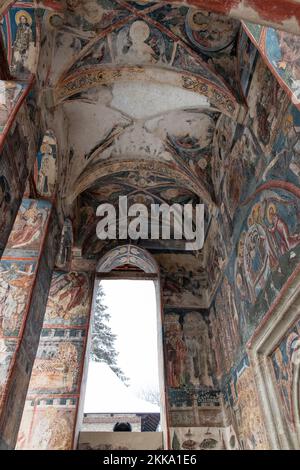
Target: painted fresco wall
column 45, row 167
column 213, row 300
column 285, row 361
column 207, row 438
column 50, row 411
column 17, row 150
column 19, row 29
column 18, row 269
column 193, row 397
column 256, row 171
column 26, row 272
column 281, row 54
column 243, row 408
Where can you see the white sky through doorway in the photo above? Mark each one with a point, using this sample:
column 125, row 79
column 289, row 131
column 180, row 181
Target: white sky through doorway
column 132, row 306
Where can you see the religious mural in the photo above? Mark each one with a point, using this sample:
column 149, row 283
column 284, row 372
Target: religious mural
column 285, row 360
column 10, row 97
column 244, row 408
column 56, row 376
column 181, row 108
column 63, row 259
column 203, row 438
column 281, row 52
column 68, row 296
column 19, row 31
column 47, row 424
column 18, row 269
column 195, row 407
column 183, row 280
column 46, row 166
column 247, row 57
column 27, row 230
column 17, row 147
column 188, row 350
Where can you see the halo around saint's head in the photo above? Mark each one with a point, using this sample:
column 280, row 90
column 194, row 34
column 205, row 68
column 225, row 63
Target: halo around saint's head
column 24, row 13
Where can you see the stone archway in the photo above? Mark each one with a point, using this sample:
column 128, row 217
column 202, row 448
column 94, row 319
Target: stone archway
column 109, row 267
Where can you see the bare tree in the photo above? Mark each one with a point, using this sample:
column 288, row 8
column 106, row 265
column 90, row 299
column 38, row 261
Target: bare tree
column 149, row 394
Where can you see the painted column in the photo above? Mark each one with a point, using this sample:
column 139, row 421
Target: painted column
column 25, row 274
column 51, row 408
column 194, row 411
column 17, row 152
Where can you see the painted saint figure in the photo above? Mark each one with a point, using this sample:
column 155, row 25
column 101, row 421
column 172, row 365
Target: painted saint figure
column 47, row 172
column 22, row 44
column 279, row 227
column 176, row 352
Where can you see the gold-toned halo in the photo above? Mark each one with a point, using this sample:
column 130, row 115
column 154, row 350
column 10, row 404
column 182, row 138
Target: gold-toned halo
column 271, row 207
column 23, row 13
column 190, row 19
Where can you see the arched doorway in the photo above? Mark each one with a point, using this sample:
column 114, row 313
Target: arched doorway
column 128, row 262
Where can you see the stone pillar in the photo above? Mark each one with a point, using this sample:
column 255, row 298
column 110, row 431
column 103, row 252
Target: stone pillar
column 51, row 408
column 25, row 274
column 193, row 396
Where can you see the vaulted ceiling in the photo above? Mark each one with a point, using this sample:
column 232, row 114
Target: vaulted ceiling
column 133, row 92
column 138, row 89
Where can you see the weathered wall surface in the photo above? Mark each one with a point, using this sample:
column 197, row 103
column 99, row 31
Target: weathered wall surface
column 17, row 152
column 50, row 411
column 26, row 272
column 261, row 198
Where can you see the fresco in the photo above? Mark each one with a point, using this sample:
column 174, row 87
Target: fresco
column 146, row 42
column 161, row 36
column 63, row 259
column 57, row 365
column 18, row 271
column 11, row 95
column 203, row 438
column 188, row 349
column 183, row 280
column 20, row 37
column 45, row 166
column 191, row 407
column 225, row 322
column 254, row 30
column 285, row 359
column 161, row 88
column 210, row 32
column 27, row 230
column 15, row 164
column 241, row 397
column 267, row 102
column 47, row 424
column 125, row 255
column 281, row 53
column 16, row 282
column 247, row 56
column 68, row 297
column 56, row 376
column 7, row 352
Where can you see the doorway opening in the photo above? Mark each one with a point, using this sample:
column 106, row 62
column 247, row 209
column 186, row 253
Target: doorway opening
column 124, row 383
